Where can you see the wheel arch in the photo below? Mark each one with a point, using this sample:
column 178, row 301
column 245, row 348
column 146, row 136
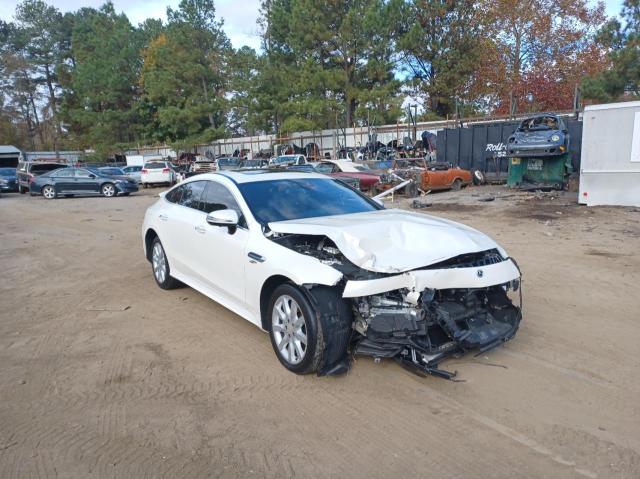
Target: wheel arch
column 149, row 236
column 268, row 287
column 334, row 314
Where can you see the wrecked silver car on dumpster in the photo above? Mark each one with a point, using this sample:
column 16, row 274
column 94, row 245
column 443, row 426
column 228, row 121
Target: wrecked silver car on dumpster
column 330, row 273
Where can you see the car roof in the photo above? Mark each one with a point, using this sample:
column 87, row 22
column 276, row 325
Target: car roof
column 252, row 176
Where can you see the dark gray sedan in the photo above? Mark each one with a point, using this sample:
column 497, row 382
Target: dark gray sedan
column 8, row 180
column 81, row 181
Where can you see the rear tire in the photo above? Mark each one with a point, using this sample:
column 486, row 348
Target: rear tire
column 22, row 190
column 295, row 332
column 160, row 267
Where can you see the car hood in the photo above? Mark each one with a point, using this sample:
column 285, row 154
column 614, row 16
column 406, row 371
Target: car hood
column 392, row 241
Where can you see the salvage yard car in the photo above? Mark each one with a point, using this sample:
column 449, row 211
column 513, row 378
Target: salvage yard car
column 8, row 180
column 328, row 272
column 28, row 170
column 426, row 176
column 81, row 181
column 157, row 172
column 540, row 135
column 349, row 169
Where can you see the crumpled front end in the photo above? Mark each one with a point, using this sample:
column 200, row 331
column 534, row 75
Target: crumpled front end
column 441, row 311
column 419, row 316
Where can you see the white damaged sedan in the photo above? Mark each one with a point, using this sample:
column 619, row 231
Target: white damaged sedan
column 330, row 273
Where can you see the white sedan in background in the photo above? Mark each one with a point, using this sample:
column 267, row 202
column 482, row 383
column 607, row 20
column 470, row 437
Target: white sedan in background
column 158, row 172
column 328, row 272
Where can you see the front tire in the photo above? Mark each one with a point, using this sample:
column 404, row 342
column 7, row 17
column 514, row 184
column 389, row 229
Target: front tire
column 108, row 190
column 160, row 267
column 457, row 184
column 49, row 192
column 296, row 335
column 22, row 190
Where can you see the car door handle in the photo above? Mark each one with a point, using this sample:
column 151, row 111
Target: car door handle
column 200, row 229
column 163, row 217
column 256, row 258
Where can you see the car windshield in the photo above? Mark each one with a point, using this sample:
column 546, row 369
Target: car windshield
column 324, row 168
column 539, row 123
column 283, row 159
column 291, row 199
column 303, row 168
column 361, row 167
column 155, row 166
column 227, row 161
column 7, row 171
column 251, row 163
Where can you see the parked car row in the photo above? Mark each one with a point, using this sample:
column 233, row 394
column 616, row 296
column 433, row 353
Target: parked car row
column 372, row 177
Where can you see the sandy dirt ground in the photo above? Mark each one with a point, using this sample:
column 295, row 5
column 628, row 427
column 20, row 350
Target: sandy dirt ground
column 102, row 374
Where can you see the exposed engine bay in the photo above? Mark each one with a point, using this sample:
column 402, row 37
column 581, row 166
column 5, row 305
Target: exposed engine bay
column 421, row 328
column 420, row 333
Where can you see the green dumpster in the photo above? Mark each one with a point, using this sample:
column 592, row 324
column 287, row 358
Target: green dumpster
column 544, row 172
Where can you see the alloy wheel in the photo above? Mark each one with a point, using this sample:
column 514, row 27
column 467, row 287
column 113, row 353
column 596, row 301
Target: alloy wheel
column 108, row 190
column 49, row 192
column 289, row 329
column 159, row 263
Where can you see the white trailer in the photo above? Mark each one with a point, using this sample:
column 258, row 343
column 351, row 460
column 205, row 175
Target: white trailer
column 135, row 160
column 610, row 159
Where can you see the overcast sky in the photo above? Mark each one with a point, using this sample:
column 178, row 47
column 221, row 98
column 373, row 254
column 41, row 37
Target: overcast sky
column 239, row 15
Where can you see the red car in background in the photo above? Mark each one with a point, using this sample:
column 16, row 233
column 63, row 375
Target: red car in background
column 349, row 169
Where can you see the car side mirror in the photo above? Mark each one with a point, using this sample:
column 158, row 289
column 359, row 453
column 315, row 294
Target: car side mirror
column 228, row 218
column 92, row 176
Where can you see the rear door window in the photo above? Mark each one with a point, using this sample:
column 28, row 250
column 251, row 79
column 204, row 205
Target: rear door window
column 63, row 173
column 191, row 193
column 80, row 173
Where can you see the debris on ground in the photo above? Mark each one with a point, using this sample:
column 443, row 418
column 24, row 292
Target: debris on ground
column 417, row 204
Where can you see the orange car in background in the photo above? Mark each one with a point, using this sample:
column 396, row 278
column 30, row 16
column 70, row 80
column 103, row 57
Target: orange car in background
column 427, row 176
